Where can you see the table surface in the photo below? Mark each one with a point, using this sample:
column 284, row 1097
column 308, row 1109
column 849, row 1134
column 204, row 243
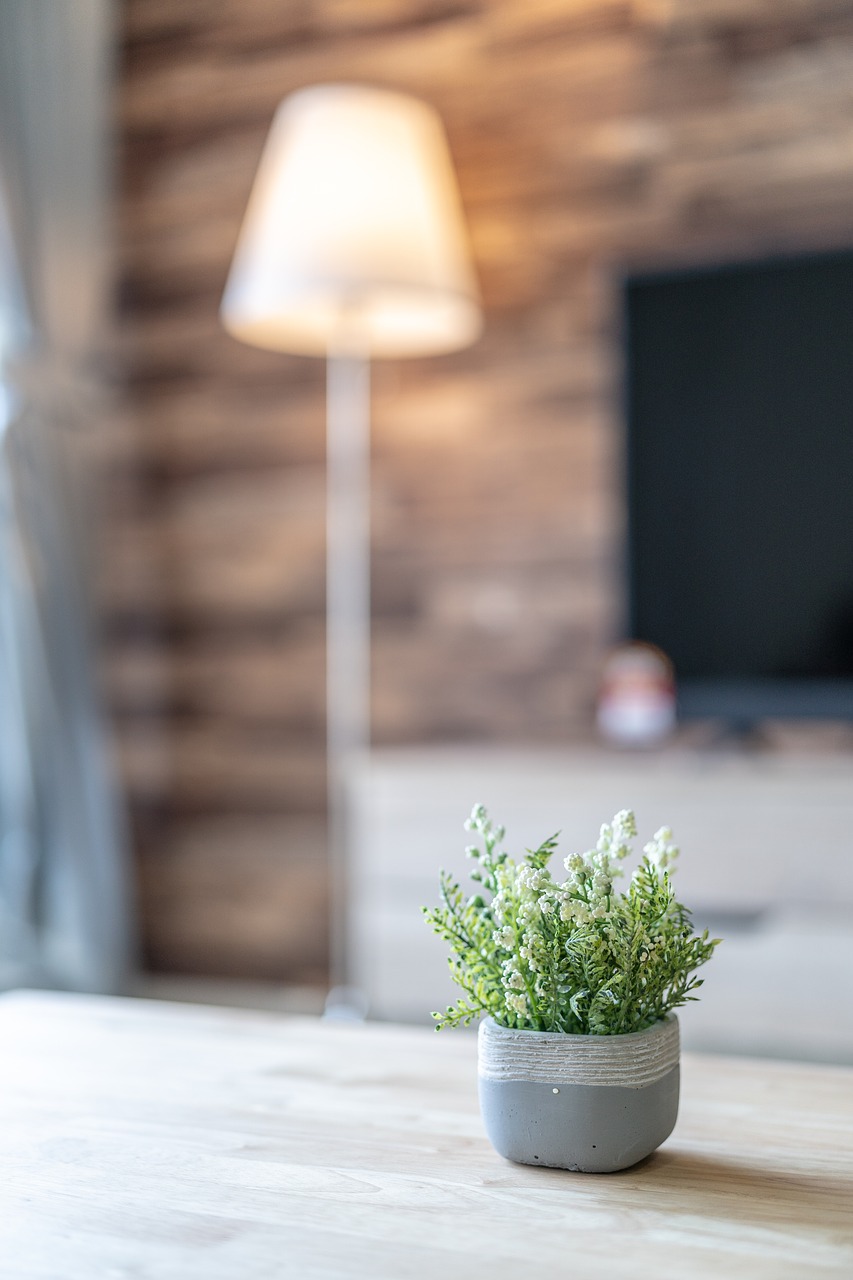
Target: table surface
column 145, row 1140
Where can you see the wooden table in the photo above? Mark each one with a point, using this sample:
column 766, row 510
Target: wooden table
column 150, row 1140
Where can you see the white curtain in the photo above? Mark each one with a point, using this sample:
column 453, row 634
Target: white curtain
column 65, row 917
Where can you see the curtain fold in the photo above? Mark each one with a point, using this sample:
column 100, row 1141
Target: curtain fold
column 65, row 916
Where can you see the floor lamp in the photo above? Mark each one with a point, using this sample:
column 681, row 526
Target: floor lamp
column 353, row 246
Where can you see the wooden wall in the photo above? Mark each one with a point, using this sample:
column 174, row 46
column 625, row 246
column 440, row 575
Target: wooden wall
column 588, row 135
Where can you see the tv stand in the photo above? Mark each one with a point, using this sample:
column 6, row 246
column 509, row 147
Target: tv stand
column 763, row 832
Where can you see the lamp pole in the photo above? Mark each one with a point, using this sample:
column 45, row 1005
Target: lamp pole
column 347, row 615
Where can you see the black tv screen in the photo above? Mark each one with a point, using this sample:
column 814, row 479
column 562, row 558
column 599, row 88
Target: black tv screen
column 739, row 400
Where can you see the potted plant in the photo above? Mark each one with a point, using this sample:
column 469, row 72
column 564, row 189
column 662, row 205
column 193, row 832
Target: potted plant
column 579, row 1045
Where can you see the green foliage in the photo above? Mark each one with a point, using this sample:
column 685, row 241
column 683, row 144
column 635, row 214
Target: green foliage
column 573, row 956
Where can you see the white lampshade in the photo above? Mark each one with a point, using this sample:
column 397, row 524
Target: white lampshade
column 354, row 236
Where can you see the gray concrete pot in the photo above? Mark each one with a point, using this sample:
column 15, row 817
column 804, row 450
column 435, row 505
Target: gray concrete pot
column 593, row 1104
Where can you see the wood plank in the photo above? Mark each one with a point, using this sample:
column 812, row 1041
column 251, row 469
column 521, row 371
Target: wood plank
column 258, row 885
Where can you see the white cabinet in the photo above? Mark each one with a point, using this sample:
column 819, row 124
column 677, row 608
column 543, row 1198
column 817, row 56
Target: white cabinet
column 760, row 833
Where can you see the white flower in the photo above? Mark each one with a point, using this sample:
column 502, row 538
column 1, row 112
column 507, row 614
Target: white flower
column 477, row 819
column 625, row 826
column 530, row 879
column 518, row 1003
column 581, row 913
column 660, row 850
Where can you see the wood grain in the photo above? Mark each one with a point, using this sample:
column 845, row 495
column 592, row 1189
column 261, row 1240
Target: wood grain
column 161, row 1142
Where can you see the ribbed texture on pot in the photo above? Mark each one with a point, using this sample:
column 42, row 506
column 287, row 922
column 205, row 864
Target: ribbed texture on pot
column 546, row 1057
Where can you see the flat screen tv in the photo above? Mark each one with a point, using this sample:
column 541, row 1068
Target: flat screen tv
column 739, row 408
